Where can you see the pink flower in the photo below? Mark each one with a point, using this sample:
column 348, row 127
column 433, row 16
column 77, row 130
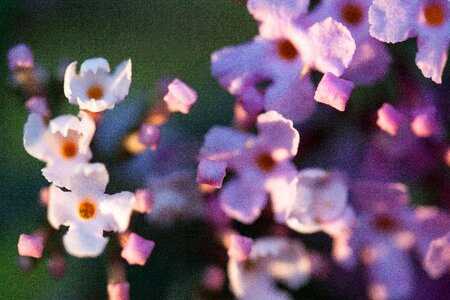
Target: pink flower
column 261, row 165
column 334, row 91
column 264, row 73
column 396, row 21
column 119, row 291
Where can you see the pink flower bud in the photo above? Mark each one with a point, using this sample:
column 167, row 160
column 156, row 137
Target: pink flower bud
column 149, row 135
column 334, row 91
column 137, row 250
column 119, row 291
column 240, row 247
column 389, row 119
column 44, row 195
column 180, row 97
column 30, row 245
column 144, row 201
column 20, row 56
column 424, row 122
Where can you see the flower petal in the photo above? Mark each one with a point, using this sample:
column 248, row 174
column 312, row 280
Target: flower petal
column 334, row 91
column 121, row 80
column 118, row 208
column 36, row 139
column 80, row 242
column 61, row 207
column 431, row 57
column 94, row 65
column 89, row 179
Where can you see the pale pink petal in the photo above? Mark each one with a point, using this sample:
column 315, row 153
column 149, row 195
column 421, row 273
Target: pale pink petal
column 277, row 135
column 137, row 250
column 334, row 58
column 334, row 91
column 392, row 21
column 389, row 119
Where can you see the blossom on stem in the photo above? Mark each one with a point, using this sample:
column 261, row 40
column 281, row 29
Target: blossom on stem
column 88, row 211
column 261, row 165
column 428, row 20
column 63, row 144
column 94, row 88
column 180, row 97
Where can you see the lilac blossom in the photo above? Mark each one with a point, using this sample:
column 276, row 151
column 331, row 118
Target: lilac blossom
column 261, row 165
column 428, row 20
column 282, row 55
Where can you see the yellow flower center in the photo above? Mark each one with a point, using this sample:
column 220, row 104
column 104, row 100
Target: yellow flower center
column 434, row 14
column 265, row 162
column 86, row 209
column 352, row 14
column 95, row 92
column 68, row 149
column 286, row 50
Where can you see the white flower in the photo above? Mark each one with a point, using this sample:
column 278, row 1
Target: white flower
column 88, row 211
column 95, row 89
column 63, row 144
column 271, row 258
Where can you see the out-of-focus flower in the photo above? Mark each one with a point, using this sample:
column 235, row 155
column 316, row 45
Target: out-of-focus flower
column 88, row 211
column 371, row 60
column 428, row 20
column 180, row 97
column 239, row 247
column 387, row 230
column 150, row 135
column 119, row 291
column 422, row 121
column 437, row 259
column 63, row 144
column 39, row 106
column 271, row 259
column 175, row 198
column 321, row 204
column 271, row 72
column 20, row 56
column 213, row 278
column 95, row 89
column 261, row 165
column 137, row 249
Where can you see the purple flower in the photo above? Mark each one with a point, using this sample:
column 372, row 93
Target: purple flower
column 397, row 20
column 261, row 165
column 280, row 57
column 20, row 56
column 371, row 60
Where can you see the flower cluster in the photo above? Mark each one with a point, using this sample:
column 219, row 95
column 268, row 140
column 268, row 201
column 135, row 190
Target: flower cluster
column 293, row 194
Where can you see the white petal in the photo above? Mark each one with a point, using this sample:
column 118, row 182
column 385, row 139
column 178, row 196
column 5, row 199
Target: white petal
column 63, row 124
column 69, row 77
column 82, row 243
column 36, row 138
column 121, row 80
column 118, row 207
column 431, row 57
column 89, row 179
column 61, row 207
column 94, row 65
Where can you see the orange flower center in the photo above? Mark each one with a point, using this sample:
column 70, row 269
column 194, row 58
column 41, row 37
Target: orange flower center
column 352, row 14
column 286, row 50
column 385, row 223
column 95, row 92
column 265, row 162
column 69, row 149
column 434, row 14
column 86, row 209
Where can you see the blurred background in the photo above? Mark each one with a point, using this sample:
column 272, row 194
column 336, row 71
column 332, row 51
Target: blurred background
column 170, row 37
